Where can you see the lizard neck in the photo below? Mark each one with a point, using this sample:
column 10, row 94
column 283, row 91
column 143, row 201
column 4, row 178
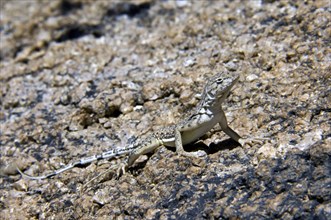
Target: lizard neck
column 210, row 105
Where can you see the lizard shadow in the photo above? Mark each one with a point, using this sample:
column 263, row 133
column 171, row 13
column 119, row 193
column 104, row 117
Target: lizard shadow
column 227, row 144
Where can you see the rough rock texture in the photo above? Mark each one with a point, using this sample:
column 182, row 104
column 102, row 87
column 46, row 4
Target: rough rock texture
column 79, row 77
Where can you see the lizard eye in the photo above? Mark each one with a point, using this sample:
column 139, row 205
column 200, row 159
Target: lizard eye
column 219, row 81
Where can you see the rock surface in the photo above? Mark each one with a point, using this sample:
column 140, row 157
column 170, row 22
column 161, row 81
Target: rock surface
column 79, row 77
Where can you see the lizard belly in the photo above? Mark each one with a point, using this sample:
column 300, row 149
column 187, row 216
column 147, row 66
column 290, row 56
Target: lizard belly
column 189, row 136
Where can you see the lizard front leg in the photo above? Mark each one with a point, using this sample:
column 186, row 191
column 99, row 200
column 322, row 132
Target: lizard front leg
column 180, row 149
column 227, row 130
column 234, row 135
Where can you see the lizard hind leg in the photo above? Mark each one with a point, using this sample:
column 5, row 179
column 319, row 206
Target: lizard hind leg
column 180, row 149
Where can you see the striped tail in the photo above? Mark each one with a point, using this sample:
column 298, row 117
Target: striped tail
column 87, row 160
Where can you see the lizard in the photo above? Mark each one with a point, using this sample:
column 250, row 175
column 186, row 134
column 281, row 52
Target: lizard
column 202, row 119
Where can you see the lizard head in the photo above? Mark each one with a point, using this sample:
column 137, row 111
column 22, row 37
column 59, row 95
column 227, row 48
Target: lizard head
column 218, row 88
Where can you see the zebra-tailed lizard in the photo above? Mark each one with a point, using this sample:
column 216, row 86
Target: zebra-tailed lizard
column 203, row 118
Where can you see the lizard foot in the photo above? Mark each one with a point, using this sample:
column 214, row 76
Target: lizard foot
column 251, row 140
column 122, row 169
column 199, row 153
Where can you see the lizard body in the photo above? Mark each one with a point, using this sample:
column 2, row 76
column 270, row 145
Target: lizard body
column 203, row 118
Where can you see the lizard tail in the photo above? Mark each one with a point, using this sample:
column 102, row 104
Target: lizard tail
column 87, row 160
